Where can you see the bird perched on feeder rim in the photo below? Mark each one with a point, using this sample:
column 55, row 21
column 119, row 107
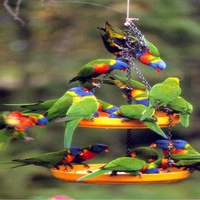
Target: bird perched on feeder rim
column 162, row 94
column 49, row 160
column 96, row 68
column 90, row 152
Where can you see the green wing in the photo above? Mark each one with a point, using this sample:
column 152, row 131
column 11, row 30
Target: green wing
column 82, row 109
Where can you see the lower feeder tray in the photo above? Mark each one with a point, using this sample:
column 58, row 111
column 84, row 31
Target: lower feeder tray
column 116, row 123
column 78, row 171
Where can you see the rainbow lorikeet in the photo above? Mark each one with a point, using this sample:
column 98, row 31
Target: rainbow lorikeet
column 134, row 166
column 162, row 94
column 84, row 108
column 134, row 111
column 115, row 40
column 97, row 67
column 166, row 146
column 90, row 152
column 183, row 147
column 49, row 160
column 183, row 108
column 61, row 106
column 22, row 121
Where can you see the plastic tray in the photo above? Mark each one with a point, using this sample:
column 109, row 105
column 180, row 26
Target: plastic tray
column 78, row 171
column 116, row 123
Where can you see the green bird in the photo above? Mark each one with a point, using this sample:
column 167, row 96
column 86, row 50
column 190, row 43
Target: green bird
column 49, row 160
column 96, row 68
column 148, row 154
column 60, row 107
column 187, row 161
column 135, row 111
column 161, row 94
column 122, row 164
column 84, row 108
column 183, row 147
column 115, row 40
column 183, row 108
column 134, row 166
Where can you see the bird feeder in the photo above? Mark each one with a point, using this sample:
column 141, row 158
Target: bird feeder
column 102, row 121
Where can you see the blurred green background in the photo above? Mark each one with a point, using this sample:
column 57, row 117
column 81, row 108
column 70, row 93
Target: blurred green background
column 38, row 59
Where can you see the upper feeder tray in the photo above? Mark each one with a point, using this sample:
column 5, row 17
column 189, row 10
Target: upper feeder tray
column 116, row 123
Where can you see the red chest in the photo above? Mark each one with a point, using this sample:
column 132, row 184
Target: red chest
column 87, row 155
column 101, row 68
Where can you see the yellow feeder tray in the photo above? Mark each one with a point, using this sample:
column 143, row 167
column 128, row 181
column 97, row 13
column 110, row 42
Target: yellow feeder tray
column 78, row 171
column 116, row 123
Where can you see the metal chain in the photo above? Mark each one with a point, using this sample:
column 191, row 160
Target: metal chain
column 128, row 142
column 131, row 45
column 169, row 135
column 141, row 76
column 100, row 82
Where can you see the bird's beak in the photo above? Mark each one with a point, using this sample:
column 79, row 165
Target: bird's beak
column 158, row 70
column 150, row 160
column 106, row 150
column 133, row 154
column 153, row 145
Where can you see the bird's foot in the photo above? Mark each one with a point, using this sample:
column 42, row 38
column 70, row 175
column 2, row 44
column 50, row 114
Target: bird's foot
column 66, row 166
column 97, row 85
column 85, row 165
column 113, row 173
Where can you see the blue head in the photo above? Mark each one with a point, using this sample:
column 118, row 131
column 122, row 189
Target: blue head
column 76, row 150
column 81, row 91
column 118, row 64
column 153, row 170
column 158, row 65
column 98, row 147
column 42, row 121
column 163, row 144
column 179, row 144
column 111, row 110
column 142, row 101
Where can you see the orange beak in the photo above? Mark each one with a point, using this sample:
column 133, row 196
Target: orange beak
column 153, row 145
column 158, row 70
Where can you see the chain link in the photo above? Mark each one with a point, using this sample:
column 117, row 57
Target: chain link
column 131, row 45
column 169, row 135
column 128, row 142
column 99, row 83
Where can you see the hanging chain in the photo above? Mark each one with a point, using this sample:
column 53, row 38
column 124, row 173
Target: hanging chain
column 99, row 83
column 169, row 135
column 131, row 45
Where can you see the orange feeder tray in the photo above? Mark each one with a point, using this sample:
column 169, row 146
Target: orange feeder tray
column 116, row 123
column 78, row 171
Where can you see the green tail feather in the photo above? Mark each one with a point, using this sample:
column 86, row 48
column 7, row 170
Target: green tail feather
column 148, row 112
column 94, row 174
column 184, row 119
column 69, row 130
column 154, row 127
